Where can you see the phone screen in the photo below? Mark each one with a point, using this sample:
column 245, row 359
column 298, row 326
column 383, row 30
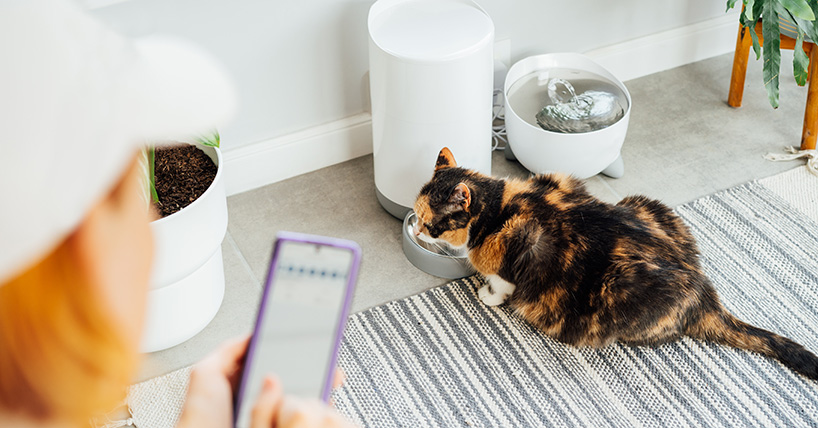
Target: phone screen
column 298, row 322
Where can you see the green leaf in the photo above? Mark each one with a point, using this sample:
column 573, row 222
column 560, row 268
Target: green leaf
column 772, row 50
column 798, row 8
column 749, row 12
column 757, row 7
column 146, row 163
column 751, row 28
column 750, row 23
column 813, row 35
column 807, row 26
column 800, row 60
column 756, row 43
column 211, row 140
column 152, row 173
column 730, row 4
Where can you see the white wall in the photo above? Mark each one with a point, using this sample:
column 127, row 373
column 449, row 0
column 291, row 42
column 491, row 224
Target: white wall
column 301, row 64
column 297, row 63
column 544, row 26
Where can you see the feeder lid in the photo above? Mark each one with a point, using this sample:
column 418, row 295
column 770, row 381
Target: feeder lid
column 429, row 30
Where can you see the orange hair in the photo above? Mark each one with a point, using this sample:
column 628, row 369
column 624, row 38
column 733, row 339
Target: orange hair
column 61, row 356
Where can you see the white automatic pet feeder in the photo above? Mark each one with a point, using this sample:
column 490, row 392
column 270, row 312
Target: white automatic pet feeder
column 431, row 76
column 582, row 154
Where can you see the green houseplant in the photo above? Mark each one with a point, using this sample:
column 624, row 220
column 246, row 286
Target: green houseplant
column 802, row 13
column 187, row 281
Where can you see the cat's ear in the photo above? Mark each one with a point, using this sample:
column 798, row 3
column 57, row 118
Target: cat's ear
column 445, row 159
column 461, row 196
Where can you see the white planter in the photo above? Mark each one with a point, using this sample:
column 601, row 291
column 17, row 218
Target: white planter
column 187, row 284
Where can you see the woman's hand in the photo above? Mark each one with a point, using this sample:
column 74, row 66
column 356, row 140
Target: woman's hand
column 274, row 410
column 213, row 382
column 209, row 401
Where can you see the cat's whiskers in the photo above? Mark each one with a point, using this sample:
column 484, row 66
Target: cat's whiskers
column 445, row 250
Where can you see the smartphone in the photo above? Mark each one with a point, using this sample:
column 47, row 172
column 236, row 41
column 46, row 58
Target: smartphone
column 300, row 320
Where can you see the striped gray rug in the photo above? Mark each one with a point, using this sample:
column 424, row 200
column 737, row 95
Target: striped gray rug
column 443, row 359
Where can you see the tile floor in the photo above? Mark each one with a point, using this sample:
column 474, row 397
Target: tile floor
column 683, row 142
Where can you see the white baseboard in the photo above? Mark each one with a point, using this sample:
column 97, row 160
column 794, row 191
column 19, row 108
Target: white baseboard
column 669, row 49
column 279, row 158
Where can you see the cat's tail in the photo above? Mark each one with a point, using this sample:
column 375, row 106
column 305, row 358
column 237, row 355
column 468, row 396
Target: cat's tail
column 722, row 327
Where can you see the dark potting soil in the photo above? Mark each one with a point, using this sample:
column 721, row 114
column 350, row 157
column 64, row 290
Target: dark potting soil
column 182, row 174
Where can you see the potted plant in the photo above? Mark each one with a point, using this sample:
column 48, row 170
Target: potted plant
column 800, row 12
column 187, row 284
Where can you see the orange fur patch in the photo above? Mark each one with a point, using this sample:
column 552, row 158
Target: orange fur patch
column 554, row 198
column 513, row 223
column 713, row 326
column 445, row 159
column 541, row 313
column 565, row 182
column 750, row 342
column 458, row 237
column 565, row 185
column 488, row 257
column 646, row 217
column 513, row 188
column 666, row 327
column 595, row 336
column 423, row 210
column 625, row 251
column 571, row 251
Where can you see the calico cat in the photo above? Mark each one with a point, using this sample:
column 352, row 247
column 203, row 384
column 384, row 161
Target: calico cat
column 585, row 272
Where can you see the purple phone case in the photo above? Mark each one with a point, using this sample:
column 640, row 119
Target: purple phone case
column 350, row 287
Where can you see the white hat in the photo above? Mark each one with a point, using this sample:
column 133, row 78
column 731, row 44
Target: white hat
column 76, row 101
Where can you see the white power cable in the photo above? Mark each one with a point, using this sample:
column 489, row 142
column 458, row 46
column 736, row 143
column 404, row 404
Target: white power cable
column 498, row 131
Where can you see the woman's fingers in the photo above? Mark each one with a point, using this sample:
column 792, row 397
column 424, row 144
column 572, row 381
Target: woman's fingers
column 265, row 411
column 309, row 413
column 227, row 356
column 210, row 390
column 338, row 378
column 225, row 360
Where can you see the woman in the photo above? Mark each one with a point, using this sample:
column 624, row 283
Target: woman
column 76, row 100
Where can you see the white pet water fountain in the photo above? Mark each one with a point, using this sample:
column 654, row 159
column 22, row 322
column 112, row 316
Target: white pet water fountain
column 566, row 113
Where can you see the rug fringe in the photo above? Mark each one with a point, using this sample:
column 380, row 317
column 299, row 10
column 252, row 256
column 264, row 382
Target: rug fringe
column 794, row 153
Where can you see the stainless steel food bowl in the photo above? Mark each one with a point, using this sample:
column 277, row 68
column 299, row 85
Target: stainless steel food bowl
column 441, row 261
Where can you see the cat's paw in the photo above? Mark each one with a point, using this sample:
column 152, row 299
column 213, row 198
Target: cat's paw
column 489, row 298
column 496, row 292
